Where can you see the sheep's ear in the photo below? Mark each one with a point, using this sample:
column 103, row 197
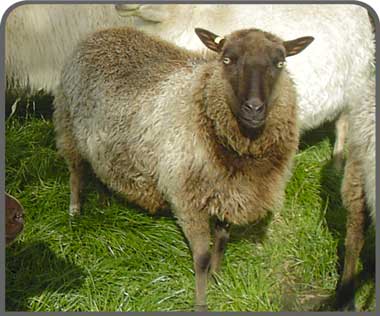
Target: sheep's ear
column 298, row 45
column 211, row 40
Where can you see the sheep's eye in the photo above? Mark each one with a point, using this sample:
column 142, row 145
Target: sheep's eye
column 280, row 64
column 226, row 60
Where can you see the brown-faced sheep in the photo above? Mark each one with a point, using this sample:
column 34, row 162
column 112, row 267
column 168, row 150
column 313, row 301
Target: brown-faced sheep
column 208, row 136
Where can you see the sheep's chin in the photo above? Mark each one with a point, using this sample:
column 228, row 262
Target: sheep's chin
column 251, row 132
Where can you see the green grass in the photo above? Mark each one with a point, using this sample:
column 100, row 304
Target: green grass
column 119, row 258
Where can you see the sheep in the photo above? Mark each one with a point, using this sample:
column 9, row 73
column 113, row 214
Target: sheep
column 358, row 189
column 14, row 215
column 210, row 137
column 327, row 78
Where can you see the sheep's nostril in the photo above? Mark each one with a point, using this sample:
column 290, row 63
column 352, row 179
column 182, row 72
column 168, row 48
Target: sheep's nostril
column 248, row 106
column 260, row 108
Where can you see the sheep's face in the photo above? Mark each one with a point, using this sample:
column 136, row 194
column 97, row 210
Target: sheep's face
column 14, row 218
column 252, row 62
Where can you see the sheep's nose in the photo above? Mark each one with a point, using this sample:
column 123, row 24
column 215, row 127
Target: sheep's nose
column 254, row 107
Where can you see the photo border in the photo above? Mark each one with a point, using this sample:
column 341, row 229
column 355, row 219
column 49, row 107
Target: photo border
column 373, row 14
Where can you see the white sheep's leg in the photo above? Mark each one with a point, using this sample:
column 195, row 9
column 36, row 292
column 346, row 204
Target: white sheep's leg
column 76, row 185
column 354, row 200
column 196, row 228
column 222, row 236
column 341, row 129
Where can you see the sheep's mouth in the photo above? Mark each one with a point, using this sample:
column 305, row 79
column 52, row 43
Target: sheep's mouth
column 251, row 128
column 126, row 10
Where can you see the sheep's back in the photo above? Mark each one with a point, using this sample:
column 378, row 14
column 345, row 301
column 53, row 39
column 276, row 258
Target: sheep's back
column 117, row 74
column 125, row 56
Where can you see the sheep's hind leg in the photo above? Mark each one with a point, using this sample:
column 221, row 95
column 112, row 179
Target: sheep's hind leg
column 67, row 147
column 222, row 236
column 354, row 201
column 341, row 129
column 197, row 231
column 76, row 185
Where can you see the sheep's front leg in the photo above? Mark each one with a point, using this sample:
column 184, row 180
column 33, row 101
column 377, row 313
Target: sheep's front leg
column 196, row 228
column 354, row 201
column 341, row 129
column 222, row 236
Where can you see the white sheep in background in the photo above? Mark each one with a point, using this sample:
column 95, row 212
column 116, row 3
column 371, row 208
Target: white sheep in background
column 362, row 144
column 39, row 37
column 358, row 189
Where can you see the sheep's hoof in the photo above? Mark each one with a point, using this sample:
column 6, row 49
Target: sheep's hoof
column 74, row 210
column 345, row 299
column 348, row 306
column 200, row 308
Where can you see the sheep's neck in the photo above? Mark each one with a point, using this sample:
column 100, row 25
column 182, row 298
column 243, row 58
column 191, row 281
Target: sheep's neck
column 229, row 155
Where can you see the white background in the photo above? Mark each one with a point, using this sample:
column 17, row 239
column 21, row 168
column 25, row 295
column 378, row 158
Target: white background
column 5, row 4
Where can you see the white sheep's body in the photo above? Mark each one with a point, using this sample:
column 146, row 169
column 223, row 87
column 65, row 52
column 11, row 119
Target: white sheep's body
column 327, row 77
column 40, row 36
